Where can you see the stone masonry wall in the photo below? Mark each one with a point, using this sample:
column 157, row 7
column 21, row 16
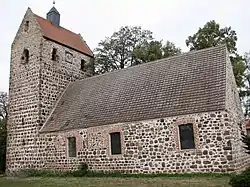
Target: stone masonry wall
column 234, row 109
column 34, row 88
column 55, row 75
column 23, row 92
column 147, row 147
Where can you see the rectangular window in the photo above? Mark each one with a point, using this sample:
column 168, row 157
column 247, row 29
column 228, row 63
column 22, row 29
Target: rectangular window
column 26, row 26
column 115, row 139
column 54, row 54
column 72, row 147
column 248, row 132
column 186, row 136
column 83, row 68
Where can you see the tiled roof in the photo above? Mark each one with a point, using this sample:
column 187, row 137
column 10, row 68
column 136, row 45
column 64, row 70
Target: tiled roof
column 192, row 82
column 63, row 36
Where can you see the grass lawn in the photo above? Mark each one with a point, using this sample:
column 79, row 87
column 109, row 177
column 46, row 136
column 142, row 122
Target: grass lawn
column 114, row 182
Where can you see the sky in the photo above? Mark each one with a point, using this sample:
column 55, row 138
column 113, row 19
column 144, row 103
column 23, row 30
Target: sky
column 172, row 20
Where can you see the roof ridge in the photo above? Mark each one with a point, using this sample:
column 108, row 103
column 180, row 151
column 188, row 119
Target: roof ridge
column 59, row 26
column 155, row 61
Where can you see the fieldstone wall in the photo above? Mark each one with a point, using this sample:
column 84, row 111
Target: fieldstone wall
column 35, row 86
column 151, row 146
column 55, row 75
column 23, row 93
column 236, row 117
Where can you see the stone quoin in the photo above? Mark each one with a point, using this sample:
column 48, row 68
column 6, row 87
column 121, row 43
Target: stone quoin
column 178, row 114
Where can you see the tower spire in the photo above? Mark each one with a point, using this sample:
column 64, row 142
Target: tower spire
column 53, row 15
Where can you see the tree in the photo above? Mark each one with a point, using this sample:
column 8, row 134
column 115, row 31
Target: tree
column 245, row 89
column 3, row 136
column 246, row 141
column 212, row 35
column 148, row 51
column 128, row 47
column 3, row 128
column 3, row 107
column 116, row 52
column 169, row 49
column 154, row 50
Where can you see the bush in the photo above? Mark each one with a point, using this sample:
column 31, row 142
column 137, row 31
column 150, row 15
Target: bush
column 240, row 180
column 82, row 171
column 3, row 137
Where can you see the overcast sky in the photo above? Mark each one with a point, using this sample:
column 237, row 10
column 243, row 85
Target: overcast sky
column 172, row 20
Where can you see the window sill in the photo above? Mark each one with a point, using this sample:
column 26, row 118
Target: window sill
column 116, row 155
column 72, row 157
column 188, row 150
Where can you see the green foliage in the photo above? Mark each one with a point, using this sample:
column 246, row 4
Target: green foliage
column 239, row 68
column 246, row 141
column 211, row 35
column 116, row 52
column 3, row 136
column 39, row 173
column 3, row 130
column 240, row 180
column 3, row 106
column 128, row 47
column 169, row 49
column 113, row 182
column 245, row 89
column 82, row 171
column 148, row 51
column 154, row 50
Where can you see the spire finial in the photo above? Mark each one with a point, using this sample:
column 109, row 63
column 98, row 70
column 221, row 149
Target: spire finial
column 54, row 2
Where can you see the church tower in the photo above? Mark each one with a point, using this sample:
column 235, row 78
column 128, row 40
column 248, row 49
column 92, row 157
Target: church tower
column 45, row 57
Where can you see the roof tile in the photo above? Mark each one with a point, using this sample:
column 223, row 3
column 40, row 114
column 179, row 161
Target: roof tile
column 193, row 82
column 63, row 36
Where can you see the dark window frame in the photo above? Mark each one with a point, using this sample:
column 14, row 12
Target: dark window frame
column 83, row 65
column 115, row 143
column 71, row 145
column 26, row 26
column 187, row 141
column 25, row 56
column 54, row 54
column 248, row 132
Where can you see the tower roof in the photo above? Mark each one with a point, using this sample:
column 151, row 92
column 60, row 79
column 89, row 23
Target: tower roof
column 192, row 82
column 54, row 10
column 63, row 36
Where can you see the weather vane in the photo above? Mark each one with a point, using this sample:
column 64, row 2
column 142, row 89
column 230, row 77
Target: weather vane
column 54, row 2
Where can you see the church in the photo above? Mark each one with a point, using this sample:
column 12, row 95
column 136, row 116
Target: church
column 174, row 115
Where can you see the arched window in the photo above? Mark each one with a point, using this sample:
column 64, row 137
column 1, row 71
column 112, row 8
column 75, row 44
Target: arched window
column 25, row 56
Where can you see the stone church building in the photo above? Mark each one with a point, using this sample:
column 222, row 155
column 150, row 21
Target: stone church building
column 178, row 114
